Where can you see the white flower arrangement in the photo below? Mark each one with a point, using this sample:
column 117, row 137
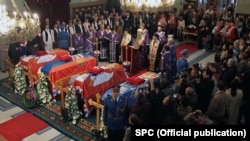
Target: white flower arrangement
column 71, row 49
column 71, row 105
column 43, row 91
column 97, row 52
column 125, row 63
column 191, row 26
column 19, row 80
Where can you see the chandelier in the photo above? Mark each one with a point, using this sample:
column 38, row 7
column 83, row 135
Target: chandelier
column 17, row 24
column 146, row 4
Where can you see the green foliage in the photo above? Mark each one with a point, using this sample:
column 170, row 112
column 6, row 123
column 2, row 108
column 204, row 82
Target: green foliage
column 71, row 105
column 19, row 80
column 43, row 90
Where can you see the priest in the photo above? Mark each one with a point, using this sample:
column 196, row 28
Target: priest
column 114, row 40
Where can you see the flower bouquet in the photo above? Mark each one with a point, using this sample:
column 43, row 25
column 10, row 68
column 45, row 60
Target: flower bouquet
column 126, row 65
column 74, row 113
column 191, row 26
column 43, row 90
column 71, row 50
column 19, row 80
column 97, row 52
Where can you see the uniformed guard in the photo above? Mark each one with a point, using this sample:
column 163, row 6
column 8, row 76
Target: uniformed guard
column 182, row 63
column 63, row 38
column 115, row 114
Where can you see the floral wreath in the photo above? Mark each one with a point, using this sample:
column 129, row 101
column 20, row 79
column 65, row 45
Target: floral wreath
column 97, row 52
column 43, row 91
column 71, row 105
column 19, row 80
column 29, row 98
column 125, row 63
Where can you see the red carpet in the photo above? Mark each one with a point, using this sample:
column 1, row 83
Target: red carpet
column 20, row 127
column 189, row 45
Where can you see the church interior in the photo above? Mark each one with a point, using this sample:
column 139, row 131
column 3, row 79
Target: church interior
column 91, row 69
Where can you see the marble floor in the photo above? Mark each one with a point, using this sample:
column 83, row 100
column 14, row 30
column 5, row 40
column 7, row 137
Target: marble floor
column 50, row 134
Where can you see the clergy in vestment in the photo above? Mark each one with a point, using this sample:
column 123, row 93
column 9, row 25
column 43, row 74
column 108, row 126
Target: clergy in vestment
column 165, row 65
column 126, row 41
column 92, row 32
column 162, row 35
column 144, row 49
column 102, row 42
column 153, row 50
column 172, row 49
column 88, row 46
column 137, row 45
column 114, row 40
column 77, row 42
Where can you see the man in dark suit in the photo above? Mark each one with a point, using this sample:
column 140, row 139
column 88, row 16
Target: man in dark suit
column 128, row 21
column 14, row 53
column 36, row 45
column 115, row 114
column 19, row 49
column 79, row 28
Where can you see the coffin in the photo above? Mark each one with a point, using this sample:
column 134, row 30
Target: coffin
column 32, row 63
column 63, row 70
column 89, row 84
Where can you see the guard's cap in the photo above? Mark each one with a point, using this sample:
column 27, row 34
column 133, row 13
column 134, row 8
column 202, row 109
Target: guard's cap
column 61, row 26
column 184, row 51
column 116, row 88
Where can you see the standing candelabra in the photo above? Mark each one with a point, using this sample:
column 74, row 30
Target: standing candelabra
column 71, row 49
column 97, row 52
column 126, row 63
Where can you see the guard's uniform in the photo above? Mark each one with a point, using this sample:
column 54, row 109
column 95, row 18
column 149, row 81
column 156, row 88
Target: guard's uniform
column 115, row 117
column 182, row 63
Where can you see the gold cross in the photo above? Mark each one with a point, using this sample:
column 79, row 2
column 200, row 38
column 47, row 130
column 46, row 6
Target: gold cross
column 98, row 108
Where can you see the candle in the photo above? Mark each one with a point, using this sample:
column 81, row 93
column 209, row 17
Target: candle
column 14, row 14
column 26, row 15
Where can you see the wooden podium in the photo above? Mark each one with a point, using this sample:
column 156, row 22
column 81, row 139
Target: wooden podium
column 128, row 53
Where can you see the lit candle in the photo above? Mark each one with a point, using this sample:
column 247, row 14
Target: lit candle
column 36, row 17
column 14, row 14
column 25, row 14
column 32, row 21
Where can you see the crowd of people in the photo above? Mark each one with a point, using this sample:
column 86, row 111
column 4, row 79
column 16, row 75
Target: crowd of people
column 215, row 94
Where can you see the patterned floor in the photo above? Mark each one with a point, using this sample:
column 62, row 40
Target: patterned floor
column 8, row 110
